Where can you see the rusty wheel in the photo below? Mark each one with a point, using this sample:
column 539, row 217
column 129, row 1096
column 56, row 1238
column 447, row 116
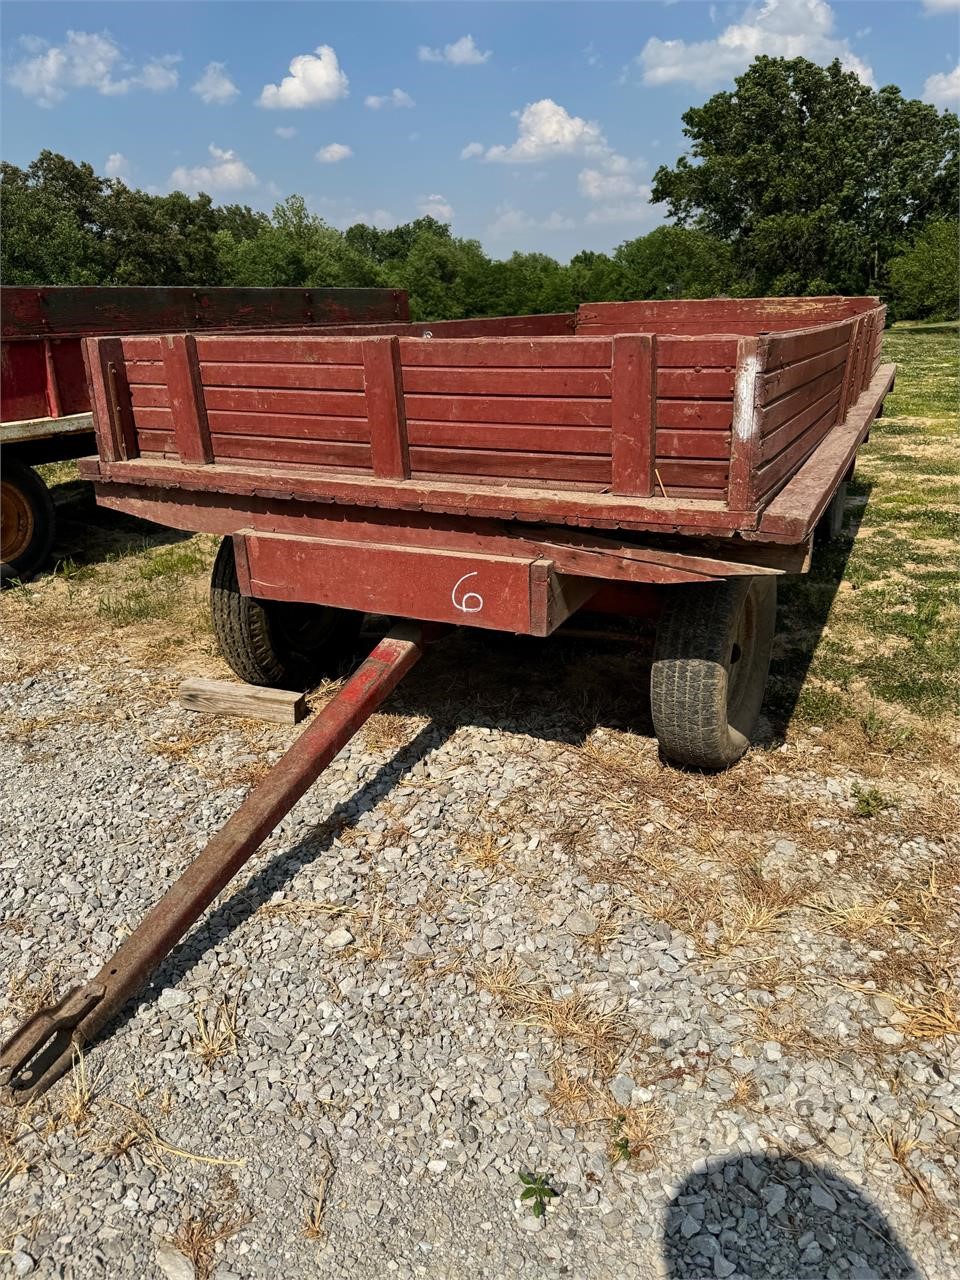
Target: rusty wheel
column 26, row 522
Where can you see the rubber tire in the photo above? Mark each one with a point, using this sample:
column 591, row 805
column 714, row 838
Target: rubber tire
column 274, row 643
column 37, row 496
column 704, row 710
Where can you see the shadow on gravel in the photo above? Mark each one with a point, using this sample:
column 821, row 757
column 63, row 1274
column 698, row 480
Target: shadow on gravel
column 804, row 602
column 277, row 873
column 766, row 1217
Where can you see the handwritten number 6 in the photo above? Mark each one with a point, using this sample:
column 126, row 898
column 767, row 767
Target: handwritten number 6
column 470, row 601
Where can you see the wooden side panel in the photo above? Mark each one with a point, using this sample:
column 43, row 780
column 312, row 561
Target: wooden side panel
column 807, row 383
column 746, row 316
column 81, row 311
column 694, row 413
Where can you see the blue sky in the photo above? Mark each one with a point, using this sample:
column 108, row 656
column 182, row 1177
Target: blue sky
column 526, row 125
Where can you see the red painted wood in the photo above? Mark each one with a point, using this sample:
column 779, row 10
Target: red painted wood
column 772, row 475
column 537, row 410
column 684, row 384
column 557, row 323
column 692, row 473
column 385, row 408
column 513, row 436
column 693, row 444
column 334, row 404
column 288, row 426
column 530, row 381
column 794, row 512
column 790, row 376
column 82, row 311
column 149, row 395
column 110, row 398
column 772, row 416
column 441, row 586
column 788, row 348
column 710, row 414
column 181, row 370
column 441, row 494
column 467, row 463
column 752, row 354
column 773, row 441
column 268, row 349
column 574, row 353
column 317, row 453
column 299, row 377
column 747, row 315
column 633, row 414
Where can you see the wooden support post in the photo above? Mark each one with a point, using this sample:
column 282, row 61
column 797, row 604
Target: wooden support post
column 110, row 399
column 386, row 412
column 745, row 437
column 53, row 389
column 633, row 414
column 181, row 370
column 848, row 389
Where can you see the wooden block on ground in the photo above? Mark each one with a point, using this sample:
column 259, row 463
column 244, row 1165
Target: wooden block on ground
column 231, row 698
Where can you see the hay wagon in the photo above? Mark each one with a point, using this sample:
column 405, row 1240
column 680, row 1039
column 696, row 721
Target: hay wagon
column 44, row 400
column 654, row 458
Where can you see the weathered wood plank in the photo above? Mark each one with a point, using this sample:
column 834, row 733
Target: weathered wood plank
column 110, row 398
column 317, row 453
column 250, row 701
column 269, row 349
column 334, row 404
column 532, row 381
column 751, row 360
column 772, row 416
column 510, row 435
column 710, row 414
column 780, row 381
column 574, row 353
column 185, row 391
column 634, row 414
column 385, row 408
column 536, row 410
column 297, row 377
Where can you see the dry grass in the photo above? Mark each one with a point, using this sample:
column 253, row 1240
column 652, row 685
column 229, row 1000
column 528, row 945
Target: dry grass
column 76, row 1102
column 386, row 732
column 199, row 1234
column 597, row 1034
column 216, row 1036
column 483, row 852
column 136, row 1130
column 25, row 997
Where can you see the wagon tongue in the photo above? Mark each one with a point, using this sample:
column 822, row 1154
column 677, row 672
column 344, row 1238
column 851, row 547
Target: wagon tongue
column 44, row 1047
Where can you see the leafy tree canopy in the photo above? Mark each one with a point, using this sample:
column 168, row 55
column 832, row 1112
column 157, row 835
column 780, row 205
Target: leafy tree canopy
column 813, row 178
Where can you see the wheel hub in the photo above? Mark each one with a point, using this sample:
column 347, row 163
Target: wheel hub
column 16, row 522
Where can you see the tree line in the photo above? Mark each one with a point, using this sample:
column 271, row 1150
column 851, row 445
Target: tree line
column 800, row 180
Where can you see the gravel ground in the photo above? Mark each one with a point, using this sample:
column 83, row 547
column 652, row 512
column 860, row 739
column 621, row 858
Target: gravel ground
column 497, row 937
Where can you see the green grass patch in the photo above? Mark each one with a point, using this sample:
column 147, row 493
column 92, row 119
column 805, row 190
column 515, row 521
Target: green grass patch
column 181, row 560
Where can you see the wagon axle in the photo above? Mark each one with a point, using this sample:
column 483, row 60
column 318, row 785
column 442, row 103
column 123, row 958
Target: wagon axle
column 44, row 1046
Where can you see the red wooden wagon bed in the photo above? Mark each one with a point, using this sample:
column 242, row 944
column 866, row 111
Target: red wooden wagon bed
column 665, row 456
column 503, row 473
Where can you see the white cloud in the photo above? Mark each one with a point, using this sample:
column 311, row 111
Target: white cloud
column 227, row 172
column 779, row 28
column 596, row 185
column 333, row 153
column 637, row 210
column 215, row 87
column 461, row 53
column 86, row 60
column 435, row 207
column 545, row 129
column 285, row 131
column 396, row 98
column 941, row 6
column 117, row 166
column 509, row 221
column 314, row 78
column 943, row 87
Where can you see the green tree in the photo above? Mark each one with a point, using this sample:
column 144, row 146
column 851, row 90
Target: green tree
column 925, row 278
column 812, row 177
column 675, row 262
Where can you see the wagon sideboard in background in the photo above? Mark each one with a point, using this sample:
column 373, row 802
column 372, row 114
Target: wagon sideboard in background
column 504, row 473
